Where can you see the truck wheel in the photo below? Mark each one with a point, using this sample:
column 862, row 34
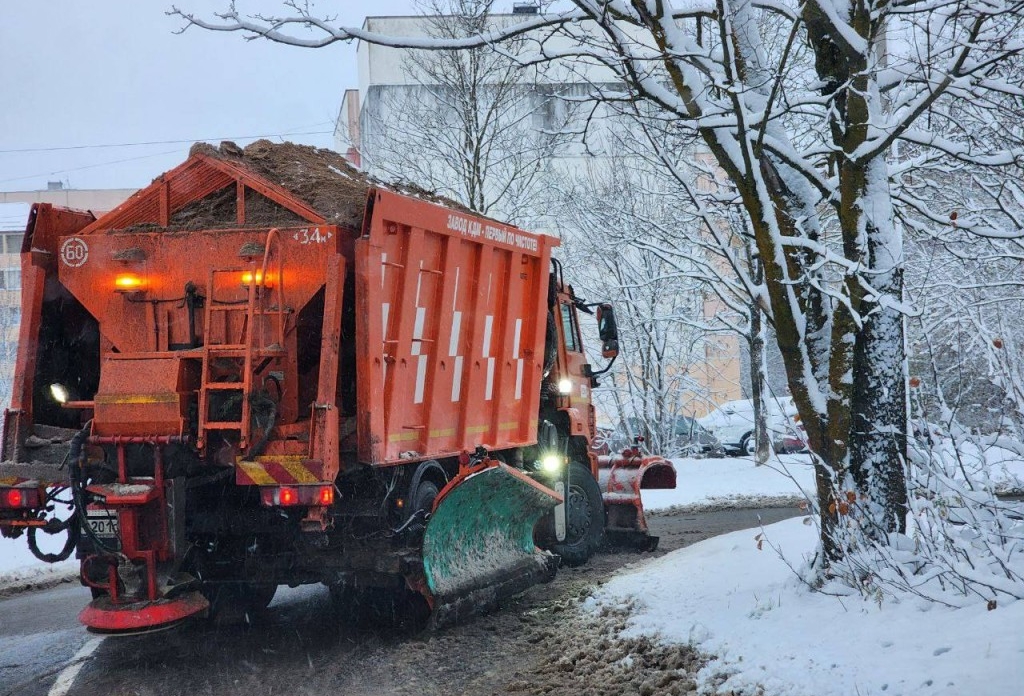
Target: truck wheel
column 584, row 513
column 424, row 497
column 259, row 596
column 230, row 603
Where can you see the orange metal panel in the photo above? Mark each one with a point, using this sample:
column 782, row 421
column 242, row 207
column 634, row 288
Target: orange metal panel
column 156, row 405
column 450, row 331
column 46, row 224
column 156, row 316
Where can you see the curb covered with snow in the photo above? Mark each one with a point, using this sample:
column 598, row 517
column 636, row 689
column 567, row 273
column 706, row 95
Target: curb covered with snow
column 21, row 571
column 37, row 577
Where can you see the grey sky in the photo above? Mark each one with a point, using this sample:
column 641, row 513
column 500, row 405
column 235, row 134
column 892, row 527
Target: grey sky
column 78, row 73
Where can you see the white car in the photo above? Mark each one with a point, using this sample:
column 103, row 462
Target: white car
column 733, row 424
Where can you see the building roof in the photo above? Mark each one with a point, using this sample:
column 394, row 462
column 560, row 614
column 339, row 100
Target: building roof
column 14, row 216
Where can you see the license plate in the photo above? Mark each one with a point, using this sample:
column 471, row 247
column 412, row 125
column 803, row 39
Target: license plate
column 103, row 523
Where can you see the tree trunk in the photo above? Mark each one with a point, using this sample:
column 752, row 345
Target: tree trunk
column 878, row 446
column 762, row 442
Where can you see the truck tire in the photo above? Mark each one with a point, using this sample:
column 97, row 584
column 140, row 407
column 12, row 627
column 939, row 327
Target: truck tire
column 232, row 603
column 424, row 497
column 584, row 519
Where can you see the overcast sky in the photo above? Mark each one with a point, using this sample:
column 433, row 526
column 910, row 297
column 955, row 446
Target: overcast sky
column 106, row 72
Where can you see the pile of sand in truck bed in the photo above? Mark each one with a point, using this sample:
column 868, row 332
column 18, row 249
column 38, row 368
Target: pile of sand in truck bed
column 323, row 179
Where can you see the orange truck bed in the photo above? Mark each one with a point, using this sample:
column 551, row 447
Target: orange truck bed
column 451, row 319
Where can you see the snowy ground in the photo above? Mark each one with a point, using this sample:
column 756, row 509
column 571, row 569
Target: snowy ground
column 20, row 569
column 745, row 606
column 735, row 482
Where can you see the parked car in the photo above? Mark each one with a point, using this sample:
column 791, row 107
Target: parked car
column 691, row 439
column 694, row 438
column 733, row 424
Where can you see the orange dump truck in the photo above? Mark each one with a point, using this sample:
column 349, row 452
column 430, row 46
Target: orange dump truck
column 264, row 369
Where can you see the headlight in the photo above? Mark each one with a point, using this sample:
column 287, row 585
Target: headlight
column 565, row 386
column 59, row 393
column 551, row 463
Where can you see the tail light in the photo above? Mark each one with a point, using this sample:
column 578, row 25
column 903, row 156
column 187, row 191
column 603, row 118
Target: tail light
column 290, row 496
column 249, row 276
column 19, row 498
column 326, row 495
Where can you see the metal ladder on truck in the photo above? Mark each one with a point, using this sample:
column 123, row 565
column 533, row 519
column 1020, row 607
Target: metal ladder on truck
column 250, row 348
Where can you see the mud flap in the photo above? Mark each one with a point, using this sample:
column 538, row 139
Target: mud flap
column 478, row 545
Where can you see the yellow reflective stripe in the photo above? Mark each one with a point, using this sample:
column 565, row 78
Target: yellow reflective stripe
column 511, row 425
column 443, row 432
column 478, row 429
column 403, row 437
column 256, row 472
column 293, row 465
column 125, row 399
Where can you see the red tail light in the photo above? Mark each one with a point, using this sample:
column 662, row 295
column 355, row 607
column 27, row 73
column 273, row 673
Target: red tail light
column 291, row 496
column 288, row 496
column 20, row 498
column 326, row 495
column 15, row 498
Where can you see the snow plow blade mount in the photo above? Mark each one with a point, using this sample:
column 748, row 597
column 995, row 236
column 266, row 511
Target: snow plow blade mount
column 478, row 545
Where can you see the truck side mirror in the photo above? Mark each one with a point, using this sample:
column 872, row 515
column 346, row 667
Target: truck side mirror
column 607, row 330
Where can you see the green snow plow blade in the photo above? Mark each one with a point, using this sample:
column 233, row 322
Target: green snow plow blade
column 478, row 545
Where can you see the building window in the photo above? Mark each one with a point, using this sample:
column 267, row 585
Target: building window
column 12, row 243
column 10, row 316
column 8, row 352
column 10, row 279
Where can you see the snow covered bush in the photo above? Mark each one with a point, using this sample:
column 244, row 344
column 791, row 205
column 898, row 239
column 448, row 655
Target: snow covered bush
column 963, row 544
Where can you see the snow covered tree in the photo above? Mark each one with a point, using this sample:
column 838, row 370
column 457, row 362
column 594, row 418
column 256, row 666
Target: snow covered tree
column 606, row 220
column 470, row 124
column 809, row 153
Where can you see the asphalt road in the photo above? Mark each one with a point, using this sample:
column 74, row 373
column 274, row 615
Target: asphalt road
column 301, row 645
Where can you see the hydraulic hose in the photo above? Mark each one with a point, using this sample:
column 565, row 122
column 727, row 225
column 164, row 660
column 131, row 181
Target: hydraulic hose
column 78, row 487
column 73, row 524
column 73, row 528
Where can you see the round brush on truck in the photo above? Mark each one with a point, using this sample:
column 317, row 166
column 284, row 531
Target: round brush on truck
column 264, row 369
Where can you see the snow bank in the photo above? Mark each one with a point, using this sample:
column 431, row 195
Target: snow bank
column 19, row 569
column 735, row 482
column 746, row 607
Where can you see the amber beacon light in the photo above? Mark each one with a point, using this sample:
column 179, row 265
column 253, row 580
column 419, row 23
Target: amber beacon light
column 129, row 282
